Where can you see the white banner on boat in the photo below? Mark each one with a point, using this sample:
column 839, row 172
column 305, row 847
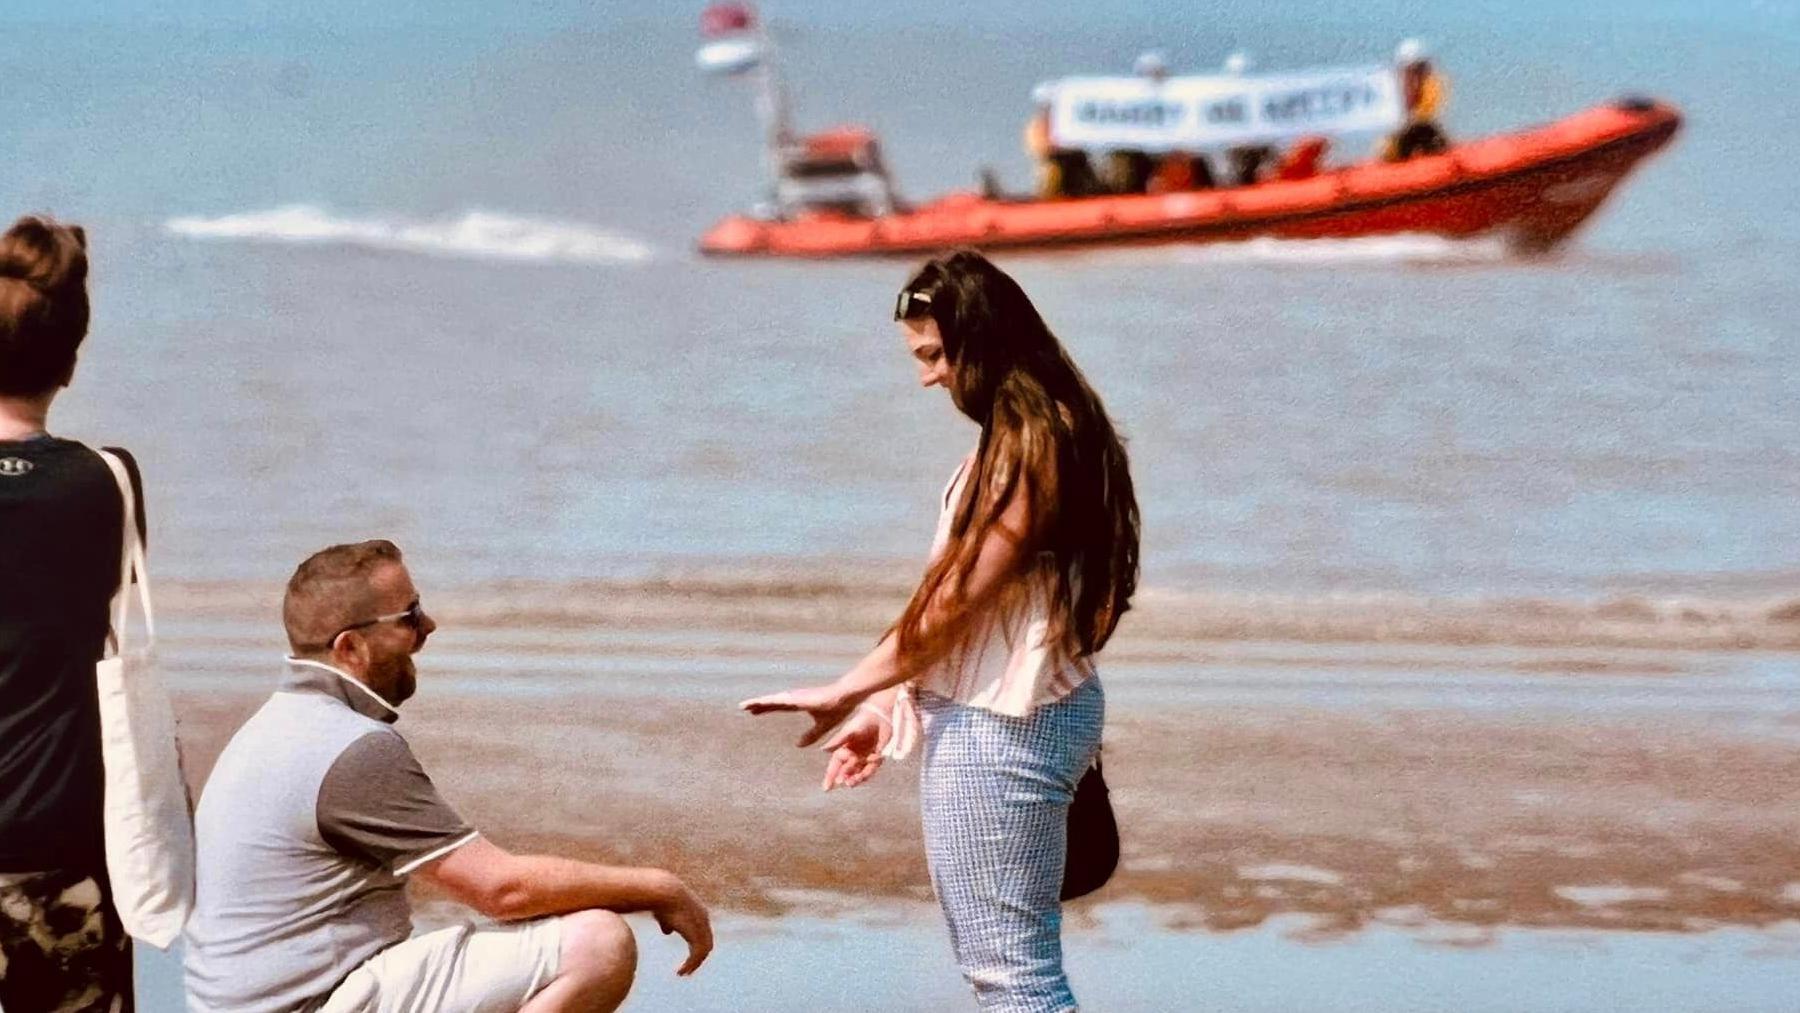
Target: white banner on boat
column 1210, row 113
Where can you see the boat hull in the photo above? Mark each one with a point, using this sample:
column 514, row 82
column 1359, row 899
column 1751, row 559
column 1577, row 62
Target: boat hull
column 1533, row 187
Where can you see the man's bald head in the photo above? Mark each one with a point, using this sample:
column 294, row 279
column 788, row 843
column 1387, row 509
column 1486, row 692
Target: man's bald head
column 334, row 588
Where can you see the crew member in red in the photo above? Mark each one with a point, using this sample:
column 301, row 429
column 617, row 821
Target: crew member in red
column 1303, row 160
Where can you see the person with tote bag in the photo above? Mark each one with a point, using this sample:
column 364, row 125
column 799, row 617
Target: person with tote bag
column 95, row 838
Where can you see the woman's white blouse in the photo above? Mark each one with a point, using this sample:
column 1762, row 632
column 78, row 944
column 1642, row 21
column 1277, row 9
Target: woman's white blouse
column 1006, row 668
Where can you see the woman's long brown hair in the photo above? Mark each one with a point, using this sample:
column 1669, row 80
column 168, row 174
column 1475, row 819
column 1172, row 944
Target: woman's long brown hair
column 1044, row 436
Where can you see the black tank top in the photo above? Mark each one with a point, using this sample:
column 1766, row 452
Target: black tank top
column 60, row 521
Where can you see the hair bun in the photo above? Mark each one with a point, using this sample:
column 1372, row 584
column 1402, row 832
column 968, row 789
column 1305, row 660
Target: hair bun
column 44, row 305
column 44, row 254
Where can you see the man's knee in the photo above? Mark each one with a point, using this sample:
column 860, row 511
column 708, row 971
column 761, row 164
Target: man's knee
column 598, row 948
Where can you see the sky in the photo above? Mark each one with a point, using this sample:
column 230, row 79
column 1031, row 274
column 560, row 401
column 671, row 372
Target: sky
column 529, row 15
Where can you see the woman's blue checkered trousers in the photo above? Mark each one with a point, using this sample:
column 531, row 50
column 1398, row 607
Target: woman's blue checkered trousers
column 994, row 795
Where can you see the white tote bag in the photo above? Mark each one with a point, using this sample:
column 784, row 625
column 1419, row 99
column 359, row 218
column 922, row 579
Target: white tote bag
column 148, row 814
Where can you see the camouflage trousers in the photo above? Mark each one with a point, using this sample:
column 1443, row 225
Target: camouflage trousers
column 62, row 949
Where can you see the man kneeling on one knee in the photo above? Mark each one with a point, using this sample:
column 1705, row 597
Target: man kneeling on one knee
column 317, row 813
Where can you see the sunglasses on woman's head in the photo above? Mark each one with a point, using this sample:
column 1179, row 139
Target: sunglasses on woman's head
column 911, row 304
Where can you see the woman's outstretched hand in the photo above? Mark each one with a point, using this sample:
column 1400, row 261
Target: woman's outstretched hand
column 827, row 705
column 856, row 750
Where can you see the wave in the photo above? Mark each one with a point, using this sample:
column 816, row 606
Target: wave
column 855, row 604
column 477, row 235
column 1402, row 249
column 1664, row 623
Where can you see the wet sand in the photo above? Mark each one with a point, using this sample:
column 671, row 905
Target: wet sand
column 1559, row 781
column 1236, row 815
column 1355, row 804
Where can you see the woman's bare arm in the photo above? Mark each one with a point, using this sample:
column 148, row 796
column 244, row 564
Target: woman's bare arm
column 996, row 562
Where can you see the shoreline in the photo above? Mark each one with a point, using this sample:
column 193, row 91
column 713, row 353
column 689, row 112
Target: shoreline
column 862, row 604
column 1120, row 958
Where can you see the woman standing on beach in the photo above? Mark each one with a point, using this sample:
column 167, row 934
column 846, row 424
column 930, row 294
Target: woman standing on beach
column 992, row 662
column 61, row 523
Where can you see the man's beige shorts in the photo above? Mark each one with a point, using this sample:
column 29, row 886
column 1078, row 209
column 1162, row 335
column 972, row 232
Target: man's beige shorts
column 482, row 970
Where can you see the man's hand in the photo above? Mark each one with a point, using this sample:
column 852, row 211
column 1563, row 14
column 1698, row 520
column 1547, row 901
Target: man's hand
column 684, row 915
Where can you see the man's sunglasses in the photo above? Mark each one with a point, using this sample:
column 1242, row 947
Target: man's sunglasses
column 413, row 617
column 911, row 304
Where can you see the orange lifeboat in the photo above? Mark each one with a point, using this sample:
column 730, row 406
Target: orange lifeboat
column 1533, row 187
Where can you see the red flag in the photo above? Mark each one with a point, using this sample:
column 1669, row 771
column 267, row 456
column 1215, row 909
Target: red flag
column 726, row 19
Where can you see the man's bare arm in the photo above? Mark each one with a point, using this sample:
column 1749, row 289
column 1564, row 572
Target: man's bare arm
column 512, row 887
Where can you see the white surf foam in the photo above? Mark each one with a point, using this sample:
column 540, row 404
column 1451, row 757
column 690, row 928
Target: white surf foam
column 478, row 235
column 1403, row 249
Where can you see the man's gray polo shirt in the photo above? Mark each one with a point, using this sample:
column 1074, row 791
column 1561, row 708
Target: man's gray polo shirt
column 311, row 821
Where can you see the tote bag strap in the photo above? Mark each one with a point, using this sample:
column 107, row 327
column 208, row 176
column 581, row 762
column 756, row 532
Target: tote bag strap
column 131, row 564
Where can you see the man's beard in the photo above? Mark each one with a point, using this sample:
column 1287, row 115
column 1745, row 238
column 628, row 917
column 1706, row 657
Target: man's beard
column 397, row 680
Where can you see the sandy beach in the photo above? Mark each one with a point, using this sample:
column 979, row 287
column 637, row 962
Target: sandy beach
column 1629, row 774
column 1375, row 806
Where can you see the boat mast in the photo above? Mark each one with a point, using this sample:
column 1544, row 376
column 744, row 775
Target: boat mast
column 773, row 109
column 738, row 44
